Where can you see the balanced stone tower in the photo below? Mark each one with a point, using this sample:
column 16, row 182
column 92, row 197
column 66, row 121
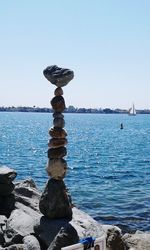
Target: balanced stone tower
column 55, row 201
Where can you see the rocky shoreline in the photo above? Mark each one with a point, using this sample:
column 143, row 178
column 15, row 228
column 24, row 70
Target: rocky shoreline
column 23, row 226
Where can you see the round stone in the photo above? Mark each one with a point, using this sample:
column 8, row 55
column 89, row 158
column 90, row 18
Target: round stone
column 57, row 143
column 57, row 168
column 58, row 115
column 58, row 103
column 58, row 91
column 57, row 132
column 58, row 76
column 57, row 152
column 59, row 122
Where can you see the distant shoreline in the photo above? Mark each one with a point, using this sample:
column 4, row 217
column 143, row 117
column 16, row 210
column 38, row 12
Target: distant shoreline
column 71, row 109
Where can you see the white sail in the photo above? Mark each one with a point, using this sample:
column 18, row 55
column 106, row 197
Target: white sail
column 132, row 110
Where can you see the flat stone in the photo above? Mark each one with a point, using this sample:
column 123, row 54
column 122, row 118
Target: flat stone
column 7, row 174
column 6, row 189
column 58, row 103
column 56, row 168
column 56, row 143
column 58, row 91
column 59, row 122
column 58, row 76
column 55, row 202
column 58, row 115
column 57, row 132
column 57, row 152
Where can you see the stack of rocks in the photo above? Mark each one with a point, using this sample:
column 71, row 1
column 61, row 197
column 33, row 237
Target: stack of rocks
column 7, row 175
column 55, row 201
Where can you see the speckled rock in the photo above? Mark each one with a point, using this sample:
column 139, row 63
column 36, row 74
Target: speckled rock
column 54, row 202
column 57, row 152
column 56, row 168
column 59, row 122
column 58, row 103
column 58, row 91
column 58, row 76
column 57, row 132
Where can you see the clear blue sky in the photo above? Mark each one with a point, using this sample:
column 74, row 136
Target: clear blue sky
column 106, row 43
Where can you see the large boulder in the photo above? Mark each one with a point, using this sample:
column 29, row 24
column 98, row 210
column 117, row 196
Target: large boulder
column 137, row 241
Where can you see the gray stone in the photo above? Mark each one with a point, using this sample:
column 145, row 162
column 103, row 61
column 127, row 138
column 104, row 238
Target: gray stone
column 67, row 236
column 57, row 152
column 2, row 239
column 21, row 222
column 58, row 76
column 46, row 229
column 7, row 174
column 56, row 168
column 26, row 193
column 58, row 104
column 54, row 202
column 58, row 115
column 59, row 122
column 31, row 243
column 137, row 241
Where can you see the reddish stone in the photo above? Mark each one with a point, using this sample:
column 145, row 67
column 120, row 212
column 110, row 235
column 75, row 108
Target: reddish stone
column 57, row 143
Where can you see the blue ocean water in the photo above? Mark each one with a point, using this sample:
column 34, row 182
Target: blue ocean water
column 109, row 168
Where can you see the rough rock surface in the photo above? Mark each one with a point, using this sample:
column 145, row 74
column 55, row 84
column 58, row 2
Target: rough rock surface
column 54, row 202
column 57, row 168
column 58, row 76
column 137, row 241
column 27, row 229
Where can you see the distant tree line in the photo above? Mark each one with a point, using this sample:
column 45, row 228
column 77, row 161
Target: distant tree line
column 71, row 109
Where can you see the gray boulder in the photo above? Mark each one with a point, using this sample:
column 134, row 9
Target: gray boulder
column 137, row 241
column 31, row 243
column 54, row 202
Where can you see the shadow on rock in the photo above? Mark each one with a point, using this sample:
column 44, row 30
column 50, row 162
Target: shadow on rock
column 7, row 204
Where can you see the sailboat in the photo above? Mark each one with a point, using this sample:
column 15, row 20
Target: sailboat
column 132, row 110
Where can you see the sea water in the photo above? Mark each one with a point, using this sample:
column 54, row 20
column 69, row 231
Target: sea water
column 109, row 167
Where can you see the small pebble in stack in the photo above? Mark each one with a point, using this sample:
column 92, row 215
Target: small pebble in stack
column 55, row 201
